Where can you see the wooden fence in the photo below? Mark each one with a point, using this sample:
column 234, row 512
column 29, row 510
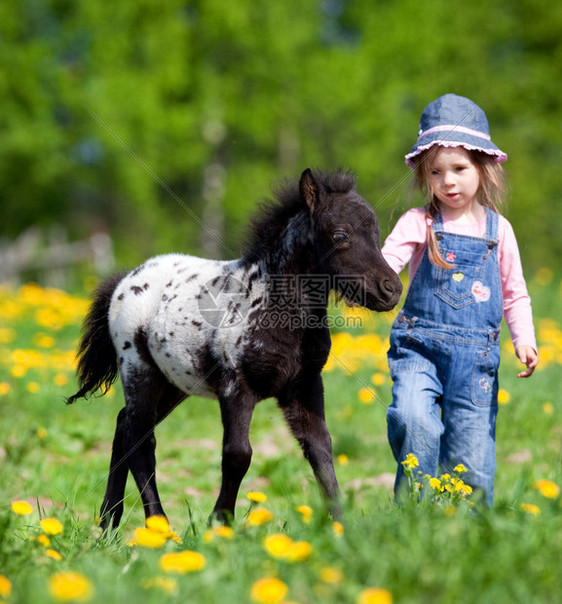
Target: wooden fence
column 47, row 257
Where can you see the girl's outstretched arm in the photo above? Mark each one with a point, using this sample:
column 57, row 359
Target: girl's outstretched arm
column 529, row 357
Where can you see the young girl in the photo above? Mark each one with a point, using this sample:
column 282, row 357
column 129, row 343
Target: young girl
column 465, row 274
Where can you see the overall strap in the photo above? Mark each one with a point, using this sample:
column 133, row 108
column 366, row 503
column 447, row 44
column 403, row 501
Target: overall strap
column 438, row 223
column 491, row 226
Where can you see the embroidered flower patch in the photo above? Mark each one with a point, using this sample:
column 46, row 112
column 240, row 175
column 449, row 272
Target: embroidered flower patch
column 451, row 256
column 484, row 383
column 480, row 292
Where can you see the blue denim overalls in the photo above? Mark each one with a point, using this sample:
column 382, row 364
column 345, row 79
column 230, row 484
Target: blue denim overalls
column 444, row 357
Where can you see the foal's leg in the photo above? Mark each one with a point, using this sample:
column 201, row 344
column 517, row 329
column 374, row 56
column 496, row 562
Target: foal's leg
column 236, row 413
column 303, row 407
column 112, row 506
column 167, row 399
column 152, row 401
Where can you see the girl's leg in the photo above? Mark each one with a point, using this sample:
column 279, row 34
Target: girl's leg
column 413, row 418
column 470, row 440
column 469, row 416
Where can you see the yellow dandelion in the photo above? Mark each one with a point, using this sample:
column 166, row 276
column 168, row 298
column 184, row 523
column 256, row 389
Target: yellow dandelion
column 503, row 396
column 258, row 516
column 366, row 395
column 41, row 433
column 43, row 340
column 7, row 335
column 338, row 529
column 331, row 575
column 224, row 532
column 530, row 508
column 44, row 540
column 548, row 408
column 277, row 545
column 268, row 590
column 343, row 459
column 463, row 488
column 547, row 488
column 374, row 595
column 378, row 379
column 411, row 461
column 166, row 584
column 21, row 508
column 53, row 554
column 306, row 513
column 18, row 371
column 182, row 562
column 47, row 317
column 51, row 526
column 67, row 586
column 158, row 523
column 283, row 547
column 147, row 537
column 5, row 587
column 459, row 469
column 299, row 551
column 61, row 379
column 435, row 483
column 256, row 497
column 4, row 388
column 33, row 387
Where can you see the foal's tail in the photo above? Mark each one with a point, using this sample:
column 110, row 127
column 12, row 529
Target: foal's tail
column 97, row 364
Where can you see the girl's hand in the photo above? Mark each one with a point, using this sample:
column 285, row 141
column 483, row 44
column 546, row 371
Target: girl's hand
column 528, row 356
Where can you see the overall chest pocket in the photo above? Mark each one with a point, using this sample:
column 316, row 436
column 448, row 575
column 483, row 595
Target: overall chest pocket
column 454, row 285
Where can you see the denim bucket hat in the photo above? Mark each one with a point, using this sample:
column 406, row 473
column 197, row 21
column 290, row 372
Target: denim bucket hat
column 454, row 121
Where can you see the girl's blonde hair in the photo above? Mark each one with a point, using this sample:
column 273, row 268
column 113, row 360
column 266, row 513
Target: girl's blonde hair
column 491, row 191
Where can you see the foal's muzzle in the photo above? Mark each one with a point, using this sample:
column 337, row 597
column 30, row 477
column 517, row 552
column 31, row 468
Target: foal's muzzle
column 385, row 294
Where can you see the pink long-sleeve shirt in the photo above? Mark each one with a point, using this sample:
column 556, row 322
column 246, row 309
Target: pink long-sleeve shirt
column 407, row 243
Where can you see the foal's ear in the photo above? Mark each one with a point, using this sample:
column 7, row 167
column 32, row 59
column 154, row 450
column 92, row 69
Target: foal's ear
column 309, row 189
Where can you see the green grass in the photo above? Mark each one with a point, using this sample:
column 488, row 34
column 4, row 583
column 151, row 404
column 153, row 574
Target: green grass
column 56, row 458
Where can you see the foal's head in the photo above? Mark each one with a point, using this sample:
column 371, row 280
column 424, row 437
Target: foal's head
column 347, row 241
column 321, row 225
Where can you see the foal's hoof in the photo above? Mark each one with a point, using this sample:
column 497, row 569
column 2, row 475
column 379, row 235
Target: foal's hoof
column 224, row 517
column 336, row 511
column 108, row 524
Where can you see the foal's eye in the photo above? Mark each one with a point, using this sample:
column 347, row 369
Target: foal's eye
column 340, row 237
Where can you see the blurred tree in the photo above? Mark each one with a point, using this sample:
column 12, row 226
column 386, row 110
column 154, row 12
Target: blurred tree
column 164, row 121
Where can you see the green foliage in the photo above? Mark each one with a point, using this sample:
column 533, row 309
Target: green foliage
column 165, row 122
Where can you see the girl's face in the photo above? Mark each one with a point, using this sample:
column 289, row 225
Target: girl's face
column 454, row 179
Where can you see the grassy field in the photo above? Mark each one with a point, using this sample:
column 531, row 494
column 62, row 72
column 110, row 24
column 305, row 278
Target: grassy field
column 284, row 549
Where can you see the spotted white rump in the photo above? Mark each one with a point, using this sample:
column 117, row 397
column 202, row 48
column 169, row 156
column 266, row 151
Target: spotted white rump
column 184, row 308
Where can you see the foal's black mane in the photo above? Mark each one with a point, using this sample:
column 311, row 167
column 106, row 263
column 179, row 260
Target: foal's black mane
column 271, row 220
